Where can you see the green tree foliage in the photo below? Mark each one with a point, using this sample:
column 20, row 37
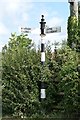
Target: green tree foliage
column 64, row 83
column 73, row 77
column 20, row 92
column 69, row 80
column 78, row 45
column 22, row 73
column 72, row 31
column 0, row 84
column 79, row 10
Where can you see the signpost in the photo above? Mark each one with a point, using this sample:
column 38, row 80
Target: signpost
column 44, row 30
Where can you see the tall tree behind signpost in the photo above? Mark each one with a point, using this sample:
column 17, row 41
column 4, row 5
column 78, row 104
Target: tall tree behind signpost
column 79, row 26
column 73, row 24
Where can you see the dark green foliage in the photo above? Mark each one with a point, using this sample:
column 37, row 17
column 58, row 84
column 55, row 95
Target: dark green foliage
column 69, row 80
column 22, row 73
column 20, row 90
column 78, row 41
column 72, row 31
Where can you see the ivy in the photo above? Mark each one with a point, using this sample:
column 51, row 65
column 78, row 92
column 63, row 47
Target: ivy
column 72, row 31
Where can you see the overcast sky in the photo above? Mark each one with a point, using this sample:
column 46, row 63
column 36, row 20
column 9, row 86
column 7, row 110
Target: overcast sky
column 22, row 13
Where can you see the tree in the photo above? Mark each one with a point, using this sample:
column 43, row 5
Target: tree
column 22, row 72
column 20, row 90
column 72, row 31
column 69, row 81
column 78, row 41
column 0, row 85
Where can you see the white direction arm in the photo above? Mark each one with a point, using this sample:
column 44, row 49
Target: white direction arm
column 53, row 29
